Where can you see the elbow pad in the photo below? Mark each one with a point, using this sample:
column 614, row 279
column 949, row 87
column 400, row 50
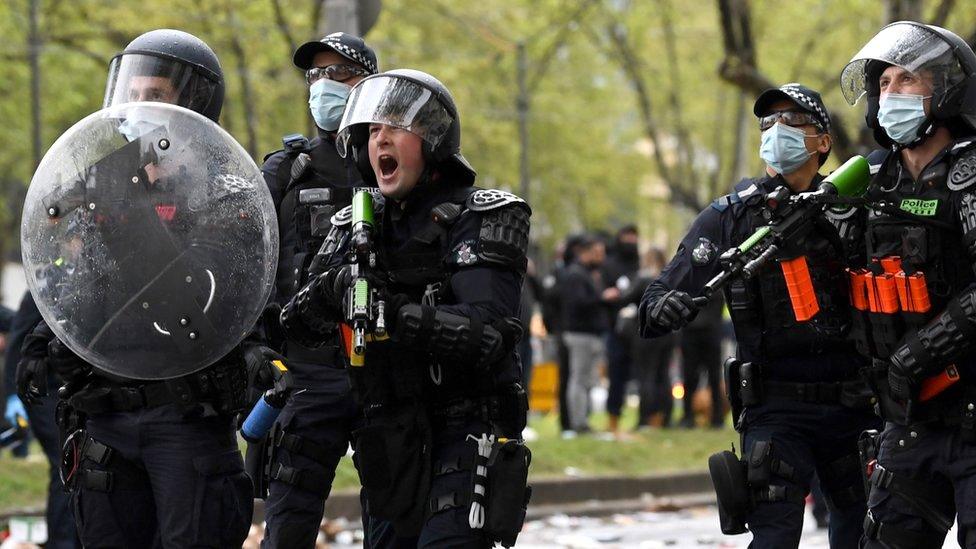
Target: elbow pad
column 941, row 341
column 305, row 319
column 453, row 337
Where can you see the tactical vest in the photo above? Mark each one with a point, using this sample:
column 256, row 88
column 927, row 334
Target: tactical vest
column 313, row 190
column 914, row 245
column 766, row 324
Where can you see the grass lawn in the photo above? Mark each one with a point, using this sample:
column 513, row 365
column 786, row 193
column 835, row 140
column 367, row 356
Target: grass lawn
column 23, row 483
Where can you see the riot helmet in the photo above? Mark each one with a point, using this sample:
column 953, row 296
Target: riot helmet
column 933, row 51
column 411, row 100
column 167, row 66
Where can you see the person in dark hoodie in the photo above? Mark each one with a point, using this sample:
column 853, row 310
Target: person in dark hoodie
column 585, row 324
column 619, row 272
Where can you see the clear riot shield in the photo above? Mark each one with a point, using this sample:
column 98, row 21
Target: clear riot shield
column 150, row 240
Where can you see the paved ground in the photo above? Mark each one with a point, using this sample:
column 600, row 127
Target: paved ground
column 690, row 528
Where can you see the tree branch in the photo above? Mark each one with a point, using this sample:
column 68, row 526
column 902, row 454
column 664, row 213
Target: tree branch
column 283, row 25
column 631, row 67
column 565, row 30
column 942, row 12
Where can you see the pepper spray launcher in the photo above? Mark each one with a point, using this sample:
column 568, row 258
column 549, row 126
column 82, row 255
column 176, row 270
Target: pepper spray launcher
column 364, row 308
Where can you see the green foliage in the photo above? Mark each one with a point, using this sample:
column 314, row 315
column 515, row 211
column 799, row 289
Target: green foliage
column 588, row 168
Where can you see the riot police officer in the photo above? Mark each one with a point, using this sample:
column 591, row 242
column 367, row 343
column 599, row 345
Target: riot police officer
column 310, row 182
column 150, row 448
column 794, row 374
column 440, row 394
column 919, row 82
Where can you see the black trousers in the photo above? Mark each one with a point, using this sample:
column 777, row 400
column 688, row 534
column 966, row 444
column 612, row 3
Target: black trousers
column 323, row 413
column 174, row 482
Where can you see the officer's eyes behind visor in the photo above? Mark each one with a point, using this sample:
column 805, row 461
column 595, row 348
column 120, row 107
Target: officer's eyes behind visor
column 338, row 72
column 790, row 118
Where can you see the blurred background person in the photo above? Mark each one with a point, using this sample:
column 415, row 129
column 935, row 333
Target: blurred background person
column 618, row 273
column 651, row 358
column 585, row 323
column 701, row 353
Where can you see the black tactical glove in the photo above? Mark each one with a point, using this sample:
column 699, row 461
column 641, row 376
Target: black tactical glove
column 901, row 386
column 64, row 362
column 673, row 311
column 391, row 310
column 31, row 379
column 903, row 381
column 328, row 290
column 262, row 373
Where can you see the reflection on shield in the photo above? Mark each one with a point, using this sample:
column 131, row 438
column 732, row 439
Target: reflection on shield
column 150, row 240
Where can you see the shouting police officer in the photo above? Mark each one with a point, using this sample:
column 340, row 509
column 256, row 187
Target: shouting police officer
column 794, row 375
column 913, row 293
column 440, row 394
column 310, row 182
column 172, row 232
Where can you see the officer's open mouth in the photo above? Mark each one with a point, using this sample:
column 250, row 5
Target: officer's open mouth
column 388, row 165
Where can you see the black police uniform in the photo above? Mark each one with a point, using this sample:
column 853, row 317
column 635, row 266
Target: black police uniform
column 154, row 463
column 806, row 410
column 427, row 391
column 925, row 456
column 309, row 183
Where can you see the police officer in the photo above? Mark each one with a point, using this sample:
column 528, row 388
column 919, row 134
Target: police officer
column 919, row 82
column 310, row 182
column 154, row 463
column 441, row 393
column 794, row 392
column 61, row 531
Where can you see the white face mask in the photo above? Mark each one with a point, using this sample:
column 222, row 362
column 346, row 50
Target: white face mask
column 901, row 115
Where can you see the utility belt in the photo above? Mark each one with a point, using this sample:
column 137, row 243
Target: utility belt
column 954, row 407
column 886, row 304
column 746, row 387
column 507, row 410
column 327, row 356
column 219, row 390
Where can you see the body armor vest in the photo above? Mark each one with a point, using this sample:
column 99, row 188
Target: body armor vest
column 913, row 230
column 416, row 266
column 315, row 184
column 766, row 324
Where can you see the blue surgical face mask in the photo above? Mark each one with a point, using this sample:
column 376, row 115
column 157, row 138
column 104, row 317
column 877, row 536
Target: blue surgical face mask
column 327, row 100
column 901, row 115
column 784, row 148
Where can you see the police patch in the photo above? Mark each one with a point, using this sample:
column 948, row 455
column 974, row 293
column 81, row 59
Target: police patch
column 963, row 173
column 463, row 253
column 704, row 252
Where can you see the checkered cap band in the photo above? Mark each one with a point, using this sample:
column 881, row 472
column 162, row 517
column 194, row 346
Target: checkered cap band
column 334, row 41
column 808, row 102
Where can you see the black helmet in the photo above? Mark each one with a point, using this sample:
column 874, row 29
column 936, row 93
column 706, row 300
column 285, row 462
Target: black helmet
column 196, row 80
column 916, row 46
column 412, row 100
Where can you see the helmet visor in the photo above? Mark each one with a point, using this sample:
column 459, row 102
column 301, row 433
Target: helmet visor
column 394, row 102
column 906, row 45
column 143, row 77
